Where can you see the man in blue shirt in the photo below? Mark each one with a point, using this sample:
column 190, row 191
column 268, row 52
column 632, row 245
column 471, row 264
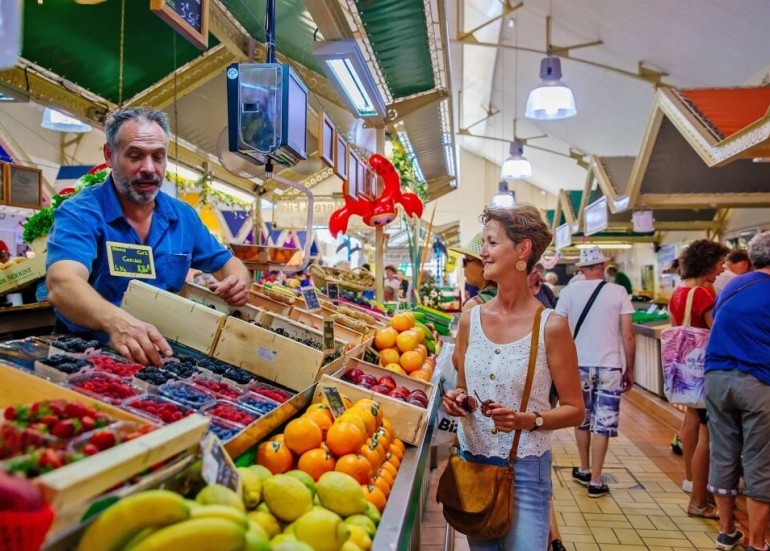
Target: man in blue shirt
column 129, row 211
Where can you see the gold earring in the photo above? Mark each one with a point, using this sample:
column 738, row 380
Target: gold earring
column 521, row 265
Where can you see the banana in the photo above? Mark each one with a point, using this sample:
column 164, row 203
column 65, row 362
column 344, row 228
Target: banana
column 139, row 536
column 430, row 346
column 200, row 534
column 428, row 333
column 121, row 522
column 221, row 511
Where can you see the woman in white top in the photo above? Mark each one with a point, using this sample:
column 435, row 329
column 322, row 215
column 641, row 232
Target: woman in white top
column 492, row 356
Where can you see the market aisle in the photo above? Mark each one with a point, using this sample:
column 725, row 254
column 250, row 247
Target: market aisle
column 646, row 509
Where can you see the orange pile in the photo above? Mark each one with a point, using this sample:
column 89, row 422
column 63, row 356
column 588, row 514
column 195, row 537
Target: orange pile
column 402, row 350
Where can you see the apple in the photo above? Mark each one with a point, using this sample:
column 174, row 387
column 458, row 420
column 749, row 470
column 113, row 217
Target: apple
column 18, row 494
column 371, row 380
column 416, row 401
column 380, row 389
column 354, row 375
column 365, row 385
column 397, row 396
column 420, row 393
column 387, row 380
column 401, row 391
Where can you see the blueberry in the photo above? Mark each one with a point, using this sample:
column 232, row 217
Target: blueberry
column 185, row 394
column 224, row 433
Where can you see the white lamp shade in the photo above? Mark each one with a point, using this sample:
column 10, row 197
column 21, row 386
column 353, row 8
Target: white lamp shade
column 550, row 102
column 10, row 33
column 54, row 120
column 503, row 200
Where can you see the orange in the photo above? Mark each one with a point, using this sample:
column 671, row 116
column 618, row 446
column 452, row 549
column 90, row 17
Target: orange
column 423, row 351
column 372, row 454
column 355, row 465
column 322, row 407
column 350, row 417
column 275, row 456
column 402, row 322
column 420, row 375
column 381, row 483
column 277, row 438
column 398, row 448
column 419, row 335
column 373, row 406
column 406, row 341
column 390, row 468
column 302, row 434
column 344, row 438
column 410, row 316
column 385, row 338
column 389, row 356
column 366, row 416
column 385, row 474
column 321, row 418
column 379, row 448
column 374, row 495
column 396, row 368
column 316, row 462
column 383, row 437
column 393, row 458
column 411, row 361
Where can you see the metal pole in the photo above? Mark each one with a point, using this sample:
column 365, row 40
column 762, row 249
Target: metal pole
column 270, row 30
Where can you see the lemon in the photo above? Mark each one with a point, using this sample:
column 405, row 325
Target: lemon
column 287, row 498
column 305, row 478
column 359, row 536
column 261, row 471
column 350, row 546
column 341, row 494
column 256, row 538
column 362, row 521
column 267, row 521
column 252, row 487
column 373, row 513
column 323, row 529
column 216, row 494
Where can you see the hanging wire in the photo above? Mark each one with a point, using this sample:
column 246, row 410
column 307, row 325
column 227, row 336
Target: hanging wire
column 176, row 117
column 122, row 47
column 515, row 78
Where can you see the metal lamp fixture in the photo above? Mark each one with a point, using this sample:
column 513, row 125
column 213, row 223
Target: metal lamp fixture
column 343, row 62
column 55, row 120
column 553, row 99
column 516, row 166
column 504, row 198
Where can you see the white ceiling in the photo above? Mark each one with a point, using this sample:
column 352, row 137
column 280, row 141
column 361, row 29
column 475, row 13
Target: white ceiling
column 699, row 43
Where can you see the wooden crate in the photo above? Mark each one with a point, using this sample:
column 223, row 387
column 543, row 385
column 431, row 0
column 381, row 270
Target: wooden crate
column 409, row 422
column 316, row 321
column 266, row 303
column 204, row 297
column 18, row 386
column 405, row 381
column 94, row 475
column 380, row 321
column 22, row 274
column 177, row 318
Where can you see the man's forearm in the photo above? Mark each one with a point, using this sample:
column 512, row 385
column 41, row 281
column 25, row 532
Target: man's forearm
column 235, row 268
column 629, row 347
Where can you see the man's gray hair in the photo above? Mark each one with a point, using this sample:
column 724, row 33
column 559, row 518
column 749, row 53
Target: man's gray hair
column 145, row 114
column 759, row 250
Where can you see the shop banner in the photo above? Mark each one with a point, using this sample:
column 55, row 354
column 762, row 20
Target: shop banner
column 293, row 214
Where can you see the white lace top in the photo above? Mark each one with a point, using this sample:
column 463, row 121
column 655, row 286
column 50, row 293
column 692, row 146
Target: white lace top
column 498, row 372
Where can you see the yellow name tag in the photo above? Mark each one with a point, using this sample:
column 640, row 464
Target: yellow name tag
column 128, row 260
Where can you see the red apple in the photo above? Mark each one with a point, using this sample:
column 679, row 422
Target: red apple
column 371, row 380
column 380, row 389
column 419, row 393
column 388, row 381
column 354, row 375
column 397, row 396
column 400, row 391
column 18, row 494
column 365, row 385
column 416, row 401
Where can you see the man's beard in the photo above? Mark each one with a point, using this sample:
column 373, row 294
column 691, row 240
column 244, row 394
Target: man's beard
column 137, row 196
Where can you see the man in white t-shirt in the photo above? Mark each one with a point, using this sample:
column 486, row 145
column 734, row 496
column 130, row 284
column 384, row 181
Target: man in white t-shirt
column 600, row 357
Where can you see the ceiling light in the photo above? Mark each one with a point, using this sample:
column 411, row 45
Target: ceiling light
column 232, row 191
column 345, row 65
column 54, row 120
column 552, row 99
column 511, row 23
column 516, row 166
column 504, row 198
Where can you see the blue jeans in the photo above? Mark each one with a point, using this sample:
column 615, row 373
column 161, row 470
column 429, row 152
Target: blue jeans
column 531, row 505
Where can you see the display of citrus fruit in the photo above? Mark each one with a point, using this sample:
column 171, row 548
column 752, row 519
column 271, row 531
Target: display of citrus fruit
column 355, row 465
column 316, row 462
column 391, row 468
column 372, row 406
column 396, row 368
column 385, row 338
column 375, row 496
column 402, row 322
column 406, row 341
column 389, row 356
column 353, row 418
column 275, row 456
column 418, row 334
column 385, row 475
column 381, row 483
column 369, row 418
column 301, row 435
column 411, row 361
column 372, row 455
column 344, row 438
column 321, row 418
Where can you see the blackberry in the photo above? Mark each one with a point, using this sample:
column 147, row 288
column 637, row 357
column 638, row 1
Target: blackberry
column 239, row 376
column 154, row 376
column 181, row 370
column 215, row 366
column 65, row 364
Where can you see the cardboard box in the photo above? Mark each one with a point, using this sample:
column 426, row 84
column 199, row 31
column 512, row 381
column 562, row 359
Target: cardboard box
column 22, row 274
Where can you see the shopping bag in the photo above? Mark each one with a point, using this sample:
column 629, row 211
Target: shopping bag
column 446, row 425
column 683, row 357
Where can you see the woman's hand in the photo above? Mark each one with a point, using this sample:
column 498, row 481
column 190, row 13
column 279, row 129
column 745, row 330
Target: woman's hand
column 457, row 403
column 507, row 419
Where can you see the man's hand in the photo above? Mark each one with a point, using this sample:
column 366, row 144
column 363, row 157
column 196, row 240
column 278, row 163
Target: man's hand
column 136, row 340
column 627, row 381
column 233, row 289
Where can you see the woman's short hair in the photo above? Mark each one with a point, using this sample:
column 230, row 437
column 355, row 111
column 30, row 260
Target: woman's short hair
column 737, row 255
column 699, row 258
column 759, row 250
column 520, row 223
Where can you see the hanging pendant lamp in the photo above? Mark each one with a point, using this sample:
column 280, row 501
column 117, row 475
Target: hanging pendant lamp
column 58, row 121
column 516, row 166
column 553, row 99
column 504, row 198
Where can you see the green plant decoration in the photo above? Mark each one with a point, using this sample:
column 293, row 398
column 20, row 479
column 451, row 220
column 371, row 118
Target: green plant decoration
column 207, row 194
column 403, row 164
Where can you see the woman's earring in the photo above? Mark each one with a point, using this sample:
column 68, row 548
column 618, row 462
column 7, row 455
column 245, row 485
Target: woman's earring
column 521, row 265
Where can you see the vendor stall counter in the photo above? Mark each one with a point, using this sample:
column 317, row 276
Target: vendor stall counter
column 648, row 371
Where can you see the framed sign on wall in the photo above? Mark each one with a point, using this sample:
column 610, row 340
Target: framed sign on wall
column 23, row 186
column 190, row 18
column 327, row 140
column 341, row 159
column 354, row 186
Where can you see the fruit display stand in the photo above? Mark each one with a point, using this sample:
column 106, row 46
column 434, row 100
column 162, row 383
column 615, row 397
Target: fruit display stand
column 207, row 298
column 270, row 300
column 178, row 319
column 316, row 321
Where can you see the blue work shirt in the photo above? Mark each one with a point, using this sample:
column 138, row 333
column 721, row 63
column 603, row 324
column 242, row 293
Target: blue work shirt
column 179, row 241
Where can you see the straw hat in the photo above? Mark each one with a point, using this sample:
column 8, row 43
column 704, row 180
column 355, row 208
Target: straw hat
column 591, row 257
column 473, row 248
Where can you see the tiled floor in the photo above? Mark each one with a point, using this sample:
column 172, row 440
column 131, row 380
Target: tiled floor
column 646, row 509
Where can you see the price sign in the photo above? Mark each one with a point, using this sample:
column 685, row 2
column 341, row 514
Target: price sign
column 329, row 343
column 217, row 467
column 333, row 290
column 334, row 398
column 128, row 260
column 190, row 18
column 311, row 298
column 371, row 356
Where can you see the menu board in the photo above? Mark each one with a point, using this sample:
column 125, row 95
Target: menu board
column 24, row 186
column 190, row 18
column 595, row 217
column 353, row 186
column 341, row 161
column 563, row 237
column 327, row 140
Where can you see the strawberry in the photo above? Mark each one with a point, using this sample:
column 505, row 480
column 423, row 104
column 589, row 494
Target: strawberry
column 90, row 449
column 10, row 413
column 103, row 440
column 75, row 410
column 49, row 460
column 49, row 420
column 88, row 423
column 66, row 429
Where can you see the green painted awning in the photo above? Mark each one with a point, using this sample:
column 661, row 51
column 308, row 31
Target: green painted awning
column 82, row 43
column 398, row 33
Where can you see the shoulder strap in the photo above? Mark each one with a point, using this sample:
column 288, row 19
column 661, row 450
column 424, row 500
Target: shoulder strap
column 688, row 307
column 741, row 288
column 533, row 346
column 588, row 305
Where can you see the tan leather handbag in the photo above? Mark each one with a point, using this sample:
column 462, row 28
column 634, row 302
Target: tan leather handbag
column 478, row 498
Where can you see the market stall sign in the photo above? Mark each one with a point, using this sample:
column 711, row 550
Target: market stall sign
column 329, row 342
column 217, row 467
column 23, row 185
column 190, row 18
column 563, row 237
column 334, row 398
column 311, row 299
column 333, row 291
column 596, row 217
column 129, row 260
